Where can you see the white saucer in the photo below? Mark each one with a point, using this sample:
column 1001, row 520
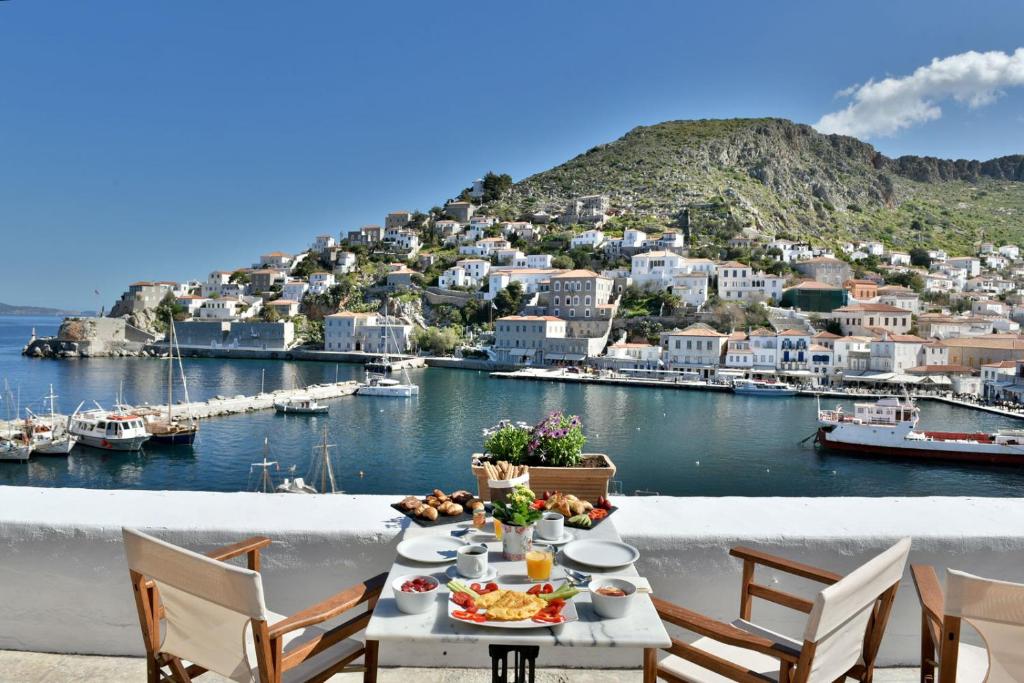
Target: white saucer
column 566, row 537
column 490, row 575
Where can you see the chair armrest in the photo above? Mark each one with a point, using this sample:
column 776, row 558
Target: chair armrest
column 929, row 592
column 782, row 564
column 722, row 632
column 254, row 544
column 331, row 607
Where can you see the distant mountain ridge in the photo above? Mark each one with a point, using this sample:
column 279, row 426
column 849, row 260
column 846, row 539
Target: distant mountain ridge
column 8, row 309
column 787, row 180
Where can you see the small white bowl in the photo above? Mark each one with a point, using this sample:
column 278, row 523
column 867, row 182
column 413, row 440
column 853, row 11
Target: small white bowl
column 612, row 606
column 414, row 603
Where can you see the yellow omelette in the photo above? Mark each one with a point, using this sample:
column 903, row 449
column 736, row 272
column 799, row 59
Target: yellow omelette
column 506, row 605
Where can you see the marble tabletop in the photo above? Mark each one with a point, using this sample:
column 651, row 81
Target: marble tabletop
column 640, row 628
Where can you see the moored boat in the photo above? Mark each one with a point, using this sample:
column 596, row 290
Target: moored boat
column 170, row 430
column 302, row 405
column 109, row 430
column 888, row 428
column 752, row 387
column 50, row 433
column 379, row 385
column 15, row 447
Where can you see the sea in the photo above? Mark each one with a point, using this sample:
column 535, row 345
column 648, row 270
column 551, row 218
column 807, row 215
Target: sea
column 669, row 442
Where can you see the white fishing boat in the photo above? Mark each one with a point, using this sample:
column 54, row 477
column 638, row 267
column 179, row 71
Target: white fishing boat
column 321, row 470
column 301, row 405
column 16, row 447
column 378, row 383
column 170, row 430
column 750, row 387
column 116, row 430
column 51, row 434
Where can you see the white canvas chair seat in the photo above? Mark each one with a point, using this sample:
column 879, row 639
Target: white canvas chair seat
column 763, row 665
column 971, row 664
column 995, row 609
column 311, row 666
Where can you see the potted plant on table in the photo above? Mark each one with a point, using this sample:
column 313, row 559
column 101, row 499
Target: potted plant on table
column 518, row 516
column 553, row 450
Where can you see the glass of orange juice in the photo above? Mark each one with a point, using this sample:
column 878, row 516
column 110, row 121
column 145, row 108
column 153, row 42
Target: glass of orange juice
column 539, row 562
column 497, row 528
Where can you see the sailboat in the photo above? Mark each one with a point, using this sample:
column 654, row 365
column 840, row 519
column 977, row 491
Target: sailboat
column 14, row 443
column 320, row 470
column 50, row 435
column 378, row 383
column 170, row 431
column 265, row 484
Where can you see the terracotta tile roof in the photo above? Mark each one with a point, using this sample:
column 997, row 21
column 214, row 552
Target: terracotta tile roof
column 814, row 284
column 529, row 318
column 697, row 330
column 763, row 332
column 578, row 273
column 826, row 335
column 939, row 369
column 733, row 264
column 794, row 333
column 1001, row 364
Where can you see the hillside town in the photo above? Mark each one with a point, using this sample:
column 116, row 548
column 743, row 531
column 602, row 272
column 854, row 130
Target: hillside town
column 604, row 291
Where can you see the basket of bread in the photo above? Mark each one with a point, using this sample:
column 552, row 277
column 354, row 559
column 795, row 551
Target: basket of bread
column 503, row 477
column 439, row 508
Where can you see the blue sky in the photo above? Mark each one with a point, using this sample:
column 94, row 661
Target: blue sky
column 162, row 140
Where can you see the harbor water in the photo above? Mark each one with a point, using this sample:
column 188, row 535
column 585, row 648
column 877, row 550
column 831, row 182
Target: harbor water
column 672, row 442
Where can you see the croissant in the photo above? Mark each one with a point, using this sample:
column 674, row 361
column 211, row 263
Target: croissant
column 434, row 501
column 427, row 512
column 440, row 495
column 452, row 509
column 410, row 503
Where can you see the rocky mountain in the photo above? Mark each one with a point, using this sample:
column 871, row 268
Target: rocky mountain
column 787, row 180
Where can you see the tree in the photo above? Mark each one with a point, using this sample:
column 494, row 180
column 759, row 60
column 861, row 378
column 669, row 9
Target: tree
column 240, row 276
column 495, row 186
column 509, row 300
column 910, row 280
column 269, row 314
column 563, row 261
column 920, row 257
column 834, row 326
column 441, row 341
column 165, row 310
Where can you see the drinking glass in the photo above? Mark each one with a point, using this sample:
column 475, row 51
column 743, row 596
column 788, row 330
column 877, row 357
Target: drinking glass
column 539, row 561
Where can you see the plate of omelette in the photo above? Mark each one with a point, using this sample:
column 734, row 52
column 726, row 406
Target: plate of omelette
column 511, row 606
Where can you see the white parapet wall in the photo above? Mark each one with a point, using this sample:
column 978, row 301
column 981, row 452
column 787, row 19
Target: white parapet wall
column 64, row 585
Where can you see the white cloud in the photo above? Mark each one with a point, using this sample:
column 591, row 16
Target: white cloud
column 887, row 106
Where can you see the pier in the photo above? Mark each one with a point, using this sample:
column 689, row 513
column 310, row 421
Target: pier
column 236, row 405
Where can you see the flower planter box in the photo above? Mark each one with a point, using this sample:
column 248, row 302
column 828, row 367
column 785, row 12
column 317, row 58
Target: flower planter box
column 588, row 481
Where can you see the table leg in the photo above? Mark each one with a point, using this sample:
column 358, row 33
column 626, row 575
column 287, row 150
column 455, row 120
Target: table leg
column 524, row 660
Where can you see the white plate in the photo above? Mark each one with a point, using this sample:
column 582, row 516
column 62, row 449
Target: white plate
column 601, row 554
column 490, row 575
column 566, row 537
column 430, row 549
column 569, row 612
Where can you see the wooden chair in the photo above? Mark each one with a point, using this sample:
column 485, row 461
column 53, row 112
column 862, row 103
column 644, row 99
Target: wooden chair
column 995, row 609
column 841, row 638
column 199, row 613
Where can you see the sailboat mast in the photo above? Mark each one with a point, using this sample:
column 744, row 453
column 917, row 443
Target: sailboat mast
column 170, row 367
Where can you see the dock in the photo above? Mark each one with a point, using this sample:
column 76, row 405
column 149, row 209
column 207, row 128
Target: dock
column 236, row 405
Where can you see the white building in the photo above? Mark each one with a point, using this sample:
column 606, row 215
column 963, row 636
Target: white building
column 895, row 353
column 901, row 297
column 215, row 282
column 532, row 261
column 191, row 303
column 224, row 308
column 323, row 242
column 851, row 354
column 366, row 332
column 1010, row 251
column 286, row 308
column 294, row 290
column 632, row 241
column 969, row 263
column 738, row 282
column 791, row 252
column 275, row 259
column 938, row 283
column 345, row 262
column 899, row 258
column 699, row 348
column 631, row 356
column 587, row 238
column 529, row 278
column 320, row 282
column 485, row 247
column 465, row 273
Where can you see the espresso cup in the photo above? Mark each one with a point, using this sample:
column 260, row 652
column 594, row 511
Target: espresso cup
column 551, row 526
column 471, row 561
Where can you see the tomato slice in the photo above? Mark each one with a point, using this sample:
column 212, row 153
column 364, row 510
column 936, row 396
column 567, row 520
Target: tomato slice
column 475, row 587
column 479, row 618
column 547, row 588
column 462, row 599
column 557, row 604
column 534, row 589
column 462, row 614
column 491, row 587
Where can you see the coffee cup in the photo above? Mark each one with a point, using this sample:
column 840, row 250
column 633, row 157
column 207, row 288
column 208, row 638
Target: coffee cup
column 471, row 561
column 551, row 526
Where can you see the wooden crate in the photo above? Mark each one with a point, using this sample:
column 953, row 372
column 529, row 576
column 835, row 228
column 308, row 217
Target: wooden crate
column 584, row 482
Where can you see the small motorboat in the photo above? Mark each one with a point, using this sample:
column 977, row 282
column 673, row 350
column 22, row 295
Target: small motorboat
column 758, row 388
column 300, row 405
column 15, row 447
